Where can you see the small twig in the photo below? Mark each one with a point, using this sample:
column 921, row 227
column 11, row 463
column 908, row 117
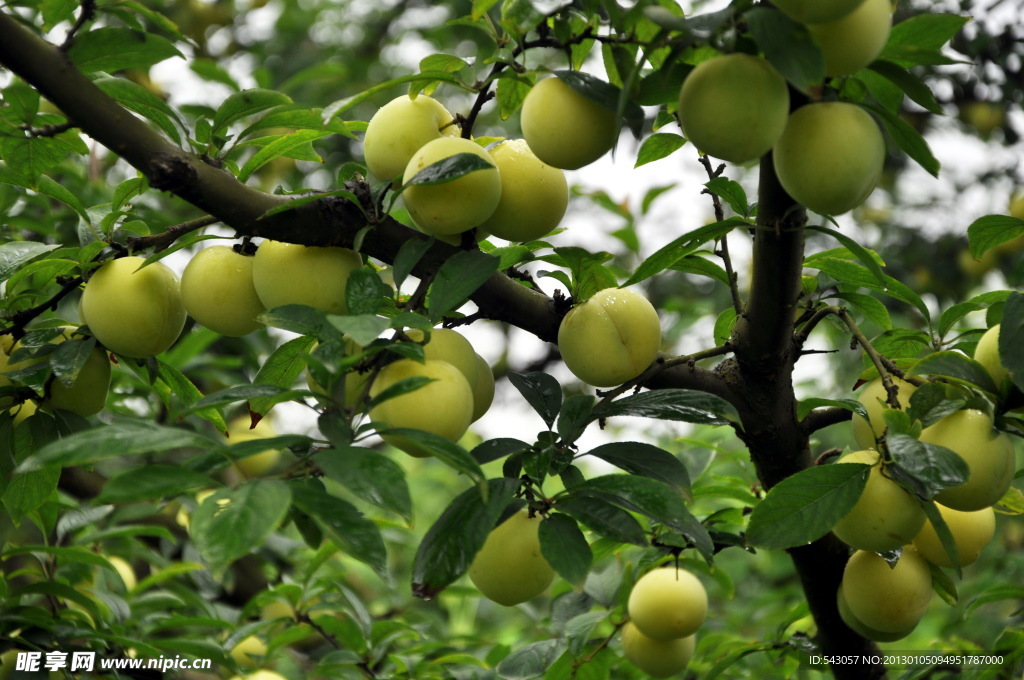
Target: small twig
column 817, row 317
column 47, row 130
column 723, row 249
column 164, row 240
column 87, row 14
column 22, row 319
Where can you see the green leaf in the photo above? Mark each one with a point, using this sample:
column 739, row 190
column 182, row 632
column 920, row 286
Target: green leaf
column 123, row 438
column 365, row 293
column 575, row 416
column 657, row 146
column 668, row 255
column 604, row 518
column 838, row 265
column 115, row 49
column 281, row 369
column 284, row 145
column 449, row 546
column 646, row 460
column 565, row 548
column 651, row 498
column 868, row 258
column 989, row 231
column 344, row 105
column 343, row 523
column 302, row 320
column 921, row 35
column 457, row 279
column 907, row 139
column 914, row 87
column 605, row 94
column 789, row 47
column 731, row 192
column 532, row 660
column 15, row 254
column 678, row 405
column 409, row 255
column 1011, row 338
column 443, row 449
column 369, row 475
column 233, row 522
column 541, row 391
column 135, row 97
column 28, row 491
column 804, row 507
column 956, row 366
column 246, row 103
column 152, row 481
column 924, row 468
column 807, row 405
column 448, row 169
column 361, row 328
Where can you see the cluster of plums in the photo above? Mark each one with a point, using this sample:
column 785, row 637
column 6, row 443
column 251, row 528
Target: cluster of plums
column 884, row 602
column 828, row 155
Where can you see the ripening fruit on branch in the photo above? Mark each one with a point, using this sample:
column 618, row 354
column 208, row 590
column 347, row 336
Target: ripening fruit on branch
column 443, row 406
column 668, row 603
column 987, row 354
column 291, row 274
column 866, row 631
column 885, row 516
column 873, row 397
column 448, row 345
column 715, row 110
column 397, row 131
column 483, row 388
column 510, row 569
column 988, row 453
column 218, row 292
column 564, row 128
column 855, row 40
column 86, row 395
column 134, row 312
column 657, row 658
column 249, row 652
column 457, row 205
column 817, row 11
column 887, row 599
column 534, row 195
column 830, row 156
column 971, row 531
column 259, row 463
column 611, row 338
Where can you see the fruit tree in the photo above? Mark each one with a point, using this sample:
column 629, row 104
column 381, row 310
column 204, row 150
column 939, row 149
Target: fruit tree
column 512, row 338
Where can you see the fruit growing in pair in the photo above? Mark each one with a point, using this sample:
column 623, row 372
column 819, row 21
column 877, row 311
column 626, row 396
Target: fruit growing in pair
column 292, row 274
column 132, row 311
column 217, row 291
column 830, row 156
column 715, row 111
column 564, row 128
column 971, row 532
column 885, row 516
column 456, row 205
column 611, row 338
column 881, row 602
column 657, row 658
column 399, row 129
column 509, row 569
column 667, row 604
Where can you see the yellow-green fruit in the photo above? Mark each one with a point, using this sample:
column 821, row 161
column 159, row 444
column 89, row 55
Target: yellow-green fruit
column 455, row 206
column 817, row 11
column 885, row 516
column 534, row 195
column 290, row 274
column 887, row 599
column 830, row 156
column 483, row 388
column 218, row 292
column 443, row 406
column 23, row 411
column 866, row 631
column 715, row 110
column 668, row 603
column 249, row 652
column 988, row 453
column 8, row 660
column 971, row 531
column 509, row 569
column 987, row 354
column 399, row 129
column 657, row 658
column 451, row 346
column 564, row 128
column 124, row 571
column 260, row 463
column 86, row 395
column 873, row 397
column 134, row 312
column 611, row 338
column 854, row 41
